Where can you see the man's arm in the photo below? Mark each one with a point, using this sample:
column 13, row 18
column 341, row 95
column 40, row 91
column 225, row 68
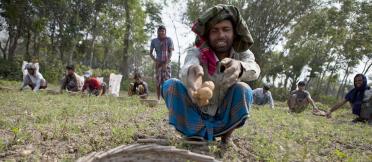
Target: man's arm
column 192, row 58
column 191, row 73
column 250, row 69
column 335, row 107
column 311, row 102
column 152, row 46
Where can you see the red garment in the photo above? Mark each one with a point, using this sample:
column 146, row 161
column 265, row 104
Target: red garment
column 207, row 56
column 164, row 49
column 91, row 83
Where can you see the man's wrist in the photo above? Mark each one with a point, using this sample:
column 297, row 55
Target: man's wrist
column 241, row 70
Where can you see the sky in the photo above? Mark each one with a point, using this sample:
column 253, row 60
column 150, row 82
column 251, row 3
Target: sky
column 172, row 17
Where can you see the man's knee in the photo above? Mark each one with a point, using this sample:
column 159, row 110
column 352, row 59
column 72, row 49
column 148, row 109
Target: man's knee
column 170, row 83
column 242, row 86
column 244, row 90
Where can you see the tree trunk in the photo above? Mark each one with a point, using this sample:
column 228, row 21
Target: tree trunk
column 320, row 81
column 92, row 50
column 179, row 49
column 71, row 55
column 27, row 53
column 61, row 39
column 329, row 82
column 61, row 52
column 92, row 45
column 274, row 79
column 293, row 83
column 53, row 52
column 105, row 56
column 309, row 83
column 106, row 50
column 5, row 48
column 36, row 46
column 124, row 64
column 366, row 70
column 343, row 82
column 286, row 81
column 14, row 35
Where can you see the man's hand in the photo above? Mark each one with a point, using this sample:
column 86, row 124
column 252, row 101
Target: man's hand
column 315, row 109
column 194, row 81
column 232, row 71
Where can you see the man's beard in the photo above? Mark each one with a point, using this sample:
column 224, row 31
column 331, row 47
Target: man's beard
column 218, row 50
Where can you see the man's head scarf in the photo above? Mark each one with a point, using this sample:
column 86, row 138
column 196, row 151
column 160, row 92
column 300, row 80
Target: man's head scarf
column 242, row 39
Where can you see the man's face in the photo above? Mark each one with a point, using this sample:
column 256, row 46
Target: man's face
column 221, row 37
column 301, row 87
column 31, row 71
column 70, row 72
column 358, row 81
column 162, row 33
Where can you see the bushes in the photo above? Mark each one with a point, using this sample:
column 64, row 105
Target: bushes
column 10, row 70
column 328, row 100
column 52, row 72
column 280, row 94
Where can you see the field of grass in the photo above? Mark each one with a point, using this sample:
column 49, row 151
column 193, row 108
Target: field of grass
column 41, row 126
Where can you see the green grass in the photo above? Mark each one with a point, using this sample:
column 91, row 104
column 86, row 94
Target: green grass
column 64, row 128
column 278, row 135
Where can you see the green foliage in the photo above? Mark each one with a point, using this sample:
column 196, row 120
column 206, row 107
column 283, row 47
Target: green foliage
column 153, row 11
column 104, row 73
column 52, row 72
column 175, row 68
column 10, row 70
column 122, row 135
column 84, row 32
column 340, row 154
column 276, row 135
column 327, row 100
column 280, row 94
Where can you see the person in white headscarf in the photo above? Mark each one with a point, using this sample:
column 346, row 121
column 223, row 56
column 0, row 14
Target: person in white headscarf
column 33, row 79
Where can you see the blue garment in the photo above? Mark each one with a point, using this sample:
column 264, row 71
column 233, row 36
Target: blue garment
column 187, row 118
column 156, row 44
column 355, row 96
